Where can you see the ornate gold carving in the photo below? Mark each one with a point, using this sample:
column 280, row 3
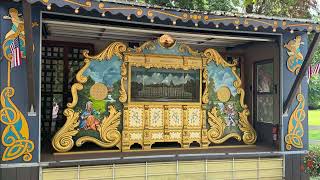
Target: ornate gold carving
column 224, row 94
column 217, row 127
column 74, row 91
column 149, row 45
column 166, row 41
column 213, row 55
column 249, row 134
column 205, row 95
column 183, row 48
column 108, row 130
column 163, row 61
column 80, row 78
column 123, row 94
column 62, row 140
column 116, row 48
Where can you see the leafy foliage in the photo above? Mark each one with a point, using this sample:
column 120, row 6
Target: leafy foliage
column 205, row 5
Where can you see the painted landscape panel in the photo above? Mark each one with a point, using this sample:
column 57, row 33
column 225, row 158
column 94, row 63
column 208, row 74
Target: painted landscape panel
column 165, row 85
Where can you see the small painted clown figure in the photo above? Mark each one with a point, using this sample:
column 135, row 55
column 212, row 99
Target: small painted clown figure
column 231, row 113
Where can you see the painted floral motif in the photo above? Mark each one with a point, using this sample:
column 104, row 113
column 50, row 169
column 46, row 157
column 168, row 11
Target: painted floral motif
column 136, row 136
column 175, row 117
column 194, row 116
column 158, row 135
column 156, row 117
column 135, row 117
column 175, row 135
column 194, row 135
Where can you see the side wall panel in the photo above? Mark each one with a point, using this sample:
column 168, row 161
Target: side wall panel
column 27, row 127
column 296, row 120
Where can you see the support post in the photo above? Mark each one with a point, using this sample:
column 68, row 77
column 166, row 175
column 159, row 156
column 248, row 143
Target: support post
column 306, row 63
column 29, row 56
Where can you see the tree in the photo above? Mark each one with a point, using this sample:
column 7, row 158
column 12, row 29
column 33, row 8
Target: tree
column 286, row 8
column 204, row 5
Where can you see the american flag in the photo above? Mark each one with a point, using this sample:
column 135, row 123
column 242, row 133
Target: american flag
column 16, row 53
column 313, row 71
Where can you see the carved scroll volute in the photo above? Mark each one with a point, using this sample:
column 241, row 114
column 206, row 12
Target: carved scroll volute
column 249, row 134
column 217, row 126
column 108, row 131
column 62, row 140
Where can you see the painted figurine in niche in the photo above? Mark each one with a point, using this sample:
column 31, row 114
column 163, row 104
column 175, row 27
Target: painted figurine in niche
column 231, row 113
column 88, row 119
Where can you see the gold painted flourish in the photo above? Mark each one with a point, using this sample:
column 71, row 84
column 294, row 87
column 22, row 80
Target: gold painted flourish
column 205, row 95
column 295, row 127
column 217, row 127
column 15, row 139
column 74, row 91
column 116, row 48
column 213, row 55
column 80, row 78
column 185, row 48
column 86, row 4
column 249, row 134
column 62, row 140
column 149, row 45
column 123, row 94
column 295, row 59
column 108, row 130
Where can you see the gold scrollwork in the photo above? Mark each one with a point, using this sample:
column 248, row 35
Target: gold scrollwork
column 295, row 127
column 123, row 94
column 80, row 78
column 108, row 130
column 249, row 134
column 213, row 55
column 185, row 48
column 205, row 95
column 62, row 140
column 149, row 45
column 74, row 91
column 116, row 48
column 217, row 127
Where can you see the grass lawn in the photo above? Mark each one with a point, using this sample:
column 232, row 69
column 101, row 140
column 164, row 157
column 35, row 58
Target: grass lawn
column 314, row 117
column 314, row 134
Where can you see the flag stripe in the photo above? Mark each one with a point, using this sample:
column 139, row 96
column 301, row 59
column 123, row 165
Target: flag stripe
column 15, row 53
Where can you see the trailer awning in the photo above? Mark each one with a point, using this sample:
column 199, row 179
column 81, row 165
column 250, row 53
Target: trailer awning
column 215, row 19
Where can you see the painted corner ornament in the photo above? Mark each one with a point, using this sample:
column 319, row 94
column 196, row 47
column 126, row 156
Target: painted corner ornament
column 15, row 136
column 295, row 59
column 295, row 127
